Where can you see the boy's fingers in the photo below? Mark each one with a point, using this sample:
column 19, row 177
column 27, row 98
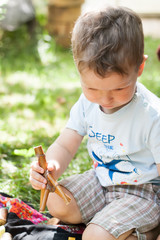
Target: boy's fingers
column 35, row 167
column 38, row 177
column 37, row 185
column 37, row 181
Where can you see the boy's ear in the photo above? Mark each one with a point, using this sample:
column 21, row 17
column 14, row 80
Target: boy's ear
column 141, row 67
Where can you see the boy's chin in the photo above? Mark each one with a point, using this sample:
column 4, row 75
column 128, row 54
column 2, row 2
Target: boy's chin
column 110, row 110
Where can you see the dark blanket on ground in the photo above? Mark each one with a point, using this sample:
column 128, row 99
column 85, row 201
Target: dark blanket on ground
column 26, row 230
column 22, row 229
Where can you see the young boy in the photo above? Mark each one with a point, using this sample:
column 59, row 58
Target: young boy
column 118, row 198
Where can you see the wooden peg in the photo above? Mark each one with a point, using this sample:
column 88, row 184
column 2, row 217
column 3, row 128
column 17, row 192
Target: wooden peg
column 3, row 216
column 45, row 192
column 42, row 163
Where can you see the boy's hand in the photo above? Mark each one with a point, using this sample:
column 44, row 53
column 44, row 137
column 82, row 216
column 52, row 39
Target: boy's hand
column 36, row 178
column 58, row 156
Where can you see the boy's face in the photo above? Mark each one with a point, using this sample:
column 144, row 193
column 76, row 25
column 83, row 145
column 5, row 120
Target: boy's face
column 111, row 92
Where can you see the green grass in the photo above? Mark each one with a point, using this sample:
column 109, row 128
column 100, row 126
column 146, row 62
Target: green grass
column 151, row 75
column 39, row 85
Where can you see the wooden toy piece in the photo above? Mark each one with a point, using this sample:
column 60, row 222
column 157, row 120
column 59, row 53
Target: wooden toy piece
column 6, row 236
column 42, row 162
column 53, row 221
column 2, row 230
column 3, row 216
column 58, row 190
column 52, row 185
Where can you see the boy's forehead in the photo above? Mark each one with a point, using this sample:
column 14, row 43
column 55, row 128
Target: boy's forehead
column 111, row 80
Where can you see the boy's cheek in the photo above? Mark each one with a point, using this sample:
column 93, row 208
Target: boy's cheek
column 126, row 96
column 90, row 97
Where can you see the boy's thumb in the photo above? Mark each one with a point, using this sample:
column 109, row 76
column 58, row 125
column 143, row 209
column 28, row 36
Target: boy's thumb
column 50, row 166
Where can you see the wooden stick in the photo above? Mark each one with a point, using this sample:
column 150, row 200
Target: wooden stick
column 44, row 192
column 44, row 201
column 42, row 163
column 3, row 216
column 58, row 190
column 41, row 198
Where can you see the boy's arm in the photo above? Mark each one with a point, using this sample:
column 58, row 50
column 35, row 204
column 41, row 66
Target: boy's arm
column 61, row 152
column 158, row 167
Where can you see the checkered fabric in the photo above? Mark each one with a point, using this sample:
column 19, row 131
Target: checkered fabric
column 117, row 208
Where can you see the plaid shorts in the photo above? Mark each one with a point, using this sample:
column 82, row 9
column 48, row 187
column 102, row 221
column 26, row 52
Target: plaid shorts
column 118, row 208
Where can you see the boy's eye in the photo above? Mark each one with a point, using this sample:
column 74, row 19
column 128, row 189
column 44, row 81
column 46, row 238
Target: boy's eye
column 92, row 89
column 119, row 89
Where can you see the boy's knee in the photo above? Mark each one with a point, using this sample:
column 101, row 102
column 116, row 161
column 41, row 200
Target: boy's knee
column 67, row 213
column 95, row 232
column 56, row 206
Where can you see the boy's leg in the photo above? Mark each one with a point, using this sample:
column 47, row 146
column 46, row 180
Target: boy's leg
column 67, row 213
column 127, row 208
column 128, row 211
column 95, row 232
column 87, row 198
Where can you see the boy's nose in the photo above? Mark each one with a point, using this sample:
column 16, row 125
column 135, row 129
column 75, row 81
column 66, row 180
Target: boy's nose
column 106, row 98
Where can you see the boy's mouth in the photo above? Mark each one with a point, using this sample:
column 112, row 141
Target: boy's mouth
column 107, row 106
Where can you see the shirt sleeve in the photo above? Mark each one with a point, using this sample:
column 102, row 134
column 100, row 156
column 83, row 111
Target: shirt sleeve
column 77, row 117
column 154, row 139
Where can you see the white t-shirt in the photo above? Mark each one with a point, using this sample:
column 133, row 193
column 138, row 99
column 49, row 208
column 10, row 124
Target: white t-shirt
column 124, row 145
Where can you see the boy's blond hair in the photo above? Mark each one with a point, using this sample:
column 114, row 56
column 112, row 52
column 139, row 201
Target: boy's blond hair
column 110, row 40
